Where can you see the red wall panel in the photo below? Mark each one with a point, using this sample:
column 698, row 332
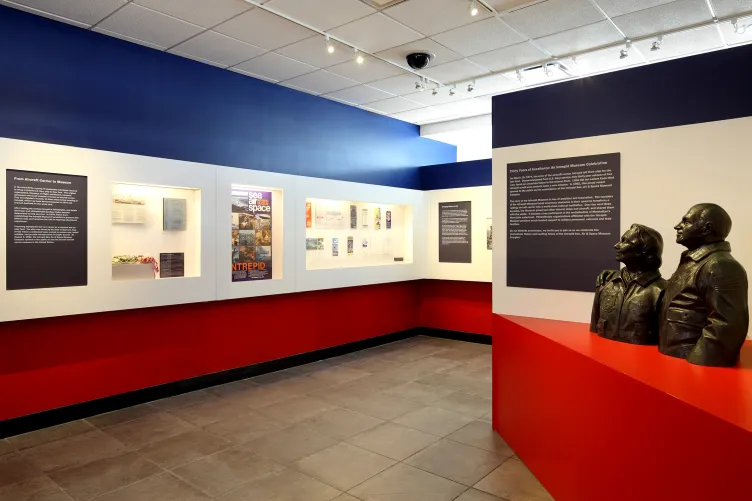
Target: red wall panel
column 456, row 306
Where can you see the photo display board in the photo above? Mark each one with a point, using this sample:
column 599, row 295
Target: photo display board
column 563, row 219
column 46, row 230
column 455, row 230
column 251, row 238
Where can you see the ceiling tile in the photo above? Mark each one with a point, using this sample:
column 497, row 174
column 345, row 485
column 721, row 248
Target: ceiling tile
column 272, row 66
column 321, row 82
column 362, row 94
column 372, row 69
column 552, row 16
column 419, row 116
column 54, row 17
column 392, row 105
column 376, row 33
column 665, row 17
column 313, row 51
column 441, row 54
column 733, row 38
column 506, row 5
column 84, row 11
column 149, row 26
column 127, row 39
column 510, row 57
column 614, row 8
column 258, row 77
column 200, row 60
column 322, row 14
column 264, row 29
column 217, row 48
column 466, row 108
column 479, row 37
column 426, row 98
column 400, row 85
column 605, row 60
column 683, row 43
column 199, row 12
column 494, row 84
column 724, row 8
column 299, row 89
column 580, row 39
column 434, row 16
column 454, row 71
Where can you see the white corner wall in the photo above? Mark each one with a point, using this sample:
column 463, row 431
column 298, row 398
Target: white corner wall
column 664, row 172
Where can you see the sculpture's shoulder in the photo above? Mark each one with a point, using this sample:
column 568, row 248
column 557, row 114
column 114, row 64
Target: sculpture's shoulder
column 659, row 285
column 720, row 268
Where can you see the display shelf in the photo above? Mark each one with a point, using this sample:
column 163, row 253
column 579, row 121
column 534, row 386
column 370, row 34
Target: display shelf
column 122, row 272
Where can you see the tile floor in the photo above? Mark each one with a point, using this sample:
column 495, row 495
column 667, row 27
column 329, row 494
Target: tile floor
column 407, row 421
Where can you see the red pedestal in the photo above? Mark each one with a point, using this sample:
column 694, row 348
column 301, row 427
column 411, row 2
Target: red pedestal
column 597, row 420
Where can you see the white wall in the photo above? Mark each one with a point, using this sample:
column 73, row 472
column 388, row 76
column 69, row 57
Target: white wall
column 664, row 172
column 472, row 136
column 480, row 268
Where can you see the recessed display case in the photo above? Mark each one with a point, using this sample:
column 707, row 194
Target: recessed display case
column 348, row 234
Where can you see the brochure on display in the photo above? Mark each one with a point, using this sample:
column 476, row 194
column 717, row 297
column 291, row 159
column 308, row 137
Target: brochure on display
column 251, row 238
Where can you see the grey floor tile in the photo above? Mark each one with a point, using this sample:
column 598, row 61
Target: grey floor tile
column 184, row 400
column 38, row 489
column 149, row 429
column 464, row 403
column 211, row 411
column 15, row 468
column 378, row 405
column 403, row 482
column 290, row 444
column 244, row 428
column 6, row 448
column 345, row 497
column 343, row 466
column 186, row 447
column 459, row 462
column 513, row 481
column 286, row 485
column 480, row 434
column 394, row 441
column 231, row 389
column 422, row 368
column 122, row 415
column 411, row 353
column 375, row 382
column 301, row 385
column 163, row 487
column 90, row 480
column 434, row 420
column 476, row 495
column 297, row 409
column 258, row 396
column 373, row 364
column 227, row 470
column 73, row 451
column 339, row 374
column 419, row 392
column 47, row 435
column 314, row 367
column 342, row 423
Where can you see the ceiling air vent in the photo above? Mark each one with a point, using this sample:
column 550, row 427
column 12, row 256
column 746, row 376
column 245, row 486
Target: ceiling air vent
column 382, row 4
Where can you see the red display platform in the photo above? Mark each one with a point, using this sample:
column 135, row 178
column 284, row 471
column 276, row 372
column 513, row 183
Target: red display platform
column 598, row 420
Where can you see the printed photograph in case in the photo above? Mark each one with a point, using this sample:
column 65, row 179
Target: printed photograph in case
column 489, row 234
column 353, row 217
column 377, row 218
column 311, row 243
column 251, row 235
column 388, row 220
column 350, row 247
column 335, row 247
column 308, row 219
column 364, row 217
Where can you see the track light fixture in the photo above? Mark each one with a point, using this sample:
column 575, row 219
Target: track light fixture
column 520, row 77
column 452, row 91
column 471, row 86
column 419, row 86
column 358, row 56
column 547, row 71
column 435, row 91
column 739, row 29
column 422, row 84
column 329, row 45
column 473, row 8
column 625, row 51
column 657, row 44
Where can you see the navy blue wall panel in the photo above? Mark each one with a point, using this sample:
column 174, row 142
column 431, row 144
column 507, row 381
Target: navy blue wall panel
column 456, row 175
column 703, row 88
column 66, row 85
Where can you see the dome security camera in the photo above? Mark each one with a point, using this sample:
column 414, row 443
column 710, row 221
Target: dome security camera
column 419, row 60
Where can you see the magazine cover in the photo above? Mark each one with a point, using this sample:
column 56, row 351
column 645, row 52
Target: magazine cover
column 320, row 244
column 350, row 247
column 335, row 247
column 251, row 235
column 353, row 217
column 308, row 221
column 388, row 220
column 365, row 218
column 377, row 218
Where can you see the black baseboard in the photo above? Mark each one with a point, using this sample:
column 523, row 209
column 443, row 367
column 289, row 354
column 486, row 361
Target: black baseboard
column 455, row 335
column 32, row 422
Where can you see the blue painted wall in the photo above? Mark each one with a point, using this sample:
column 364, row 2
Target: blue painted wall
column 702, row 88
column 456, row 175
column 66, row 85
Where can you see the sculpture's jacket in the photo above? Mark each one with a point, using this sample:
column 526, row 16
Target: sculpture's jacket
column 705, row 315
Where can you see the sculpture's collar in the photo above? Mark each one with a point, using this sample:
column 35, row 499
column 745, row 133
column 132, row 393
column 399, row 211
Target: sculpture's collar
column 701, row 253
column 644, row 278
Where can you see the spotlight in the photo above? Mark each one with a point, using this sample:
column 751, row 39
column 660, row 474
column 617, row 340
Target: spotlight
column 471, row 86
column 423, row 85
column 473, row 8
column 739, row 29
column 547, row 71
column 657, row 44
column 418, row 85
column 329, row 45
column 625, row 51
column 435, row 91
column 358, row 57
column 519, row 76
column 452, row 91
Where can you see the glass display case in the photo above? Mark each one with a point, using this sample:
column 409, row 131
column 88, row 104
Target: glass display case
column 346, row 234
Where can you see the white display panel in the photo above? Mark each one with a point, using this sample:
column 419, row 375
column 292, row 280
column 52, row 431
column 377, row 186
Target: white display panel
column 375, row 241
column 137, row 229
column 283, row 232
column 479, row 270
column 664, row 172
column 102, row 169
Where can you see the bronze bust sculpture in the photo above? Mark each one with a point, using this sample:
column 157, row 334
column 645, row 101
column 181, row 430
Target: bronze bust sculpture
column 627, row 302
column 705, row 316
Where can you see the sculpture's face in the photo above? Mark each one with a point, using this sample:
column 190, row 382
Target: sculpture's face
column 691, row 229
column 629, row 246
